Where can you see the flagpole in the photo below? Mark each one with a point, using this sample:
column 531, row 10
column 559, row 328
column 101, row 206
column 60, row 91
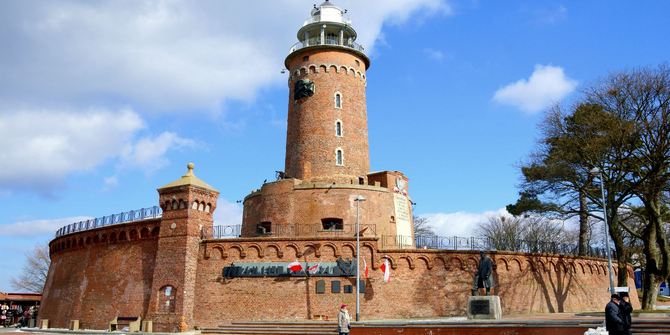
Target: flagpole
column 358, row 200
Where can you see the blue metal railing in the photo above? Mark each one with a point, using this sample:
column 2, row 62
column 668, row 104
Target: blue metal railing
column 130, row 216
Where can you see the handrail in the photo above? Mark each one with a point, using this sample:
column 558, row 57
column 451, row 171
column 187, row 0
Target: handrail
column 418, row 242
column 124, row 217
column 314, row 41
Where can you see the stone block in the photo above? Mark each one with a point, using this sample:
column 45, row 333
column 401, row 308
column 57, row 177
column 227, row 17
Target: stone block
column 484, row 307
column 45, row 324
column 74, row 325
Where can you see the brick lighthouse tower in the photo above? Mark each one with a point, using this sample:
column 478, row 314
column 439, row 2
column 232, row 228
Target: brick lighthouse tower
column 327, row 137
column 327, row 164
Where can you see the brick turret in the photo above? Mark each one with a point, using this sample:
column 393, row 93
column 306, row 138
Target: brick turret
column 188, row 205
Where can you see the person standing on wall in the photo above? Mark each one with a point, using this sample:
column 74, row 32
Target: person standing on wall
column 625, row 309
column 613, row 321
column 343, row 321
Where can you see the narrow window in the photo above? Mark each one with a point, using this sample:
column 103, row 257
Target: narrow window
column 339, row 159
column 332, row 224
column 264, row 228
column 338, row 128
column 338, row 100
column 166, row 299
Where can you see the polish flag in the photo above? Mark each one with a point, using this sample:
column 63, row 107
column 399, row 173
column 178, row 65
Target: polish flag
column 295, row 266
column 366, row 271
column 386, row 268
column 314, row 269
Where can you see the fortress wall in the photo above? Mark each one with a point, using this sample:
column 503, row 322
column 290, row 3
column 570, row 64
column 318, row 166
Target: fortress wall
column 424, row 283
column 100, row 274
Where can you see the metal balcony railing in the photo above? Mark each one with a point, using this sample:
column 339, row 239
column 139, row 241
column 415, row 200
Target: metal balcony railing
column 314, row 41
column 130, row 216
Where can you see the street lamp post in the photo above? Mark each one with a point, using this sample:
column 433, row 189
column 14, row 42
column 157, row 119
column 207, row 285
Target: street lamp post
column 596, row 171
column 358, row 200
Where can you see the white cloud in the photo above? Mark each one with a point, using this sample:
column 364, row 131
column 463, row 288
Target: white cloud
column 463, row 224
column 165, row 54
column 437, row 55
column 548, row 84
column 37, row 227
column 149, row 153
column 41, row 147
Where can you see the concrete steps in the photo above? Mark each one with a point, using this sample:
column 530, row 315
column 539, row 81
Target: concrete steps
column 275, row 328
column 651, row 327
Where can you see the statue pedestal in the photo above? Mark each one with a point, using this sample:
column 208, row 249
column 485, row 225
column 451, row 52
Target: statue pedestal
column 484, row 307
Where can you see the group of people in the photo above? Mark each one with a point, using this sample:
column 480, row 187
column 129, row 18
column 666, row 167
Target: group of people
column 617, row 314
column 8, row 315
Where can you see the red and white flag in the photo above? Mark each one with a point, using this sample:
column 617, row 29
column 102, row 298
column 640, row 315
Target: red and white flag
column 295, row 266
column 366, row 271
column 386, row 269
column 314, row 269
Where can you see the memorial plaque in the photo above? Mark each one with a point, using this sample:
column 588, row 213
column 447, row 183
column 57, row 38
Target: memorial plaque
column 348, row 289
column 320, row 286
column 480, row 307
column 362, row 286
column 484, row 307
column 335, row 286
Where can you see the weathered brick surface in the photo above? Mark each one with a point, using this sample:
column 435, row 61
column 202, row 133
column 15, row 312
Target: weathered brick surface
column 310, row 139
column 289, row 202
column 95, row 282
column 424, row 283
column 108, row 274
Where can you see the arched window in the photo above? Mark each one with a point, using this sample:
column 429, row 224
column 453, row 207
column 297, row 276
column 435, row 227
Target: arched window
column 166, row 299
column 338, row 100
column 338, row 128
column 339, row 157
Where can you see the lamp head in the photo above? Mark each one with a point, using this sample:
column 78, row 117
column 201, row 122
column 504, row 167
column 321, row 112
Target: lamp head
column 359, row 198
column 595, row 171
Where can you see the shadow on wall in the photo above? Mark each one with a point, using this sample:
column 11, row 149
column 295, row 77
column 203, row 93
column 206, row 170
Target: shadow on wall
column 555, row 281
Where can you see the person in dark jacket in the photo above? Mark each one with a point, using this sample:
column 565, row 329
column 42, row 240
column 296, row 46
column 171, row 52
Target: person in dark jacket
column 613, row 321
column 625, row 309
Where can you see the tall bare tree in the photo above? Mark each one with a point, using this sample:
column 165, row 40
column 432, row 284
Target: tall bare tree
column 422, row 226
column 34, row 272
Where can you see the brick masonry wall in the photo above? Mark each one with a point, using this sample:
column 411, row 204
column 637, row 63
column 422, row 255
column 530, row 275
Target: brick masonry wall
column 96, row 281
column 424, row 283
column 311, row 141
column 97, row 275
column 288, row 202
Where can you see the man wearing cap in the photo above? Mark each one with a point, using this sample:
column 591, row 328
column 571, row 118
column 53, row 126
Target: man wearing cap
column 613, row 321
column 343, row 320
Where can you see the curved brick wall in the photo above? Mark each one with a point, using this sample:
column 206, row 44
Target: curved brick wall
column 288, row 202
column 110, row 273
column 99, row 274
column 310, row 139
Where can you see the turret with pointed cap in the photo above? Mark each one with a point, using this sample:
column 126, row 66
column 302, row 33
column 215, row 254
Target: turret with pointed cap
column 188, row 204
column 189, row 179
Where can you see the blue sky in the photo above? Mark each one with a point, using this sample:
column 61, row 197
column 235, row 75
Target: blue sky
column 101, row 103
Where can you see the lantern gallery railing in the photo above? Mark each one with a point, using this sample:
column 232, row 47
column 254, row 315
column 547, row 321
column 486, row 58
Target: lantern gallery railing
column 327, row 41
column 130, row 216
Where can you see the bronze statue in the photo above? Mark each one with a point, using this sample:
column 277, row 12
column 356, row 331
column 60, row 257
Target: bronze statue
column 484, row 275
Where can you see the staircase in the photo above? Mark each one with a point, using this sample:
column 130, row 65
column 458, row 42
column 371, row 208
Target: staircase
column 651, row 326
column 275, row 328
